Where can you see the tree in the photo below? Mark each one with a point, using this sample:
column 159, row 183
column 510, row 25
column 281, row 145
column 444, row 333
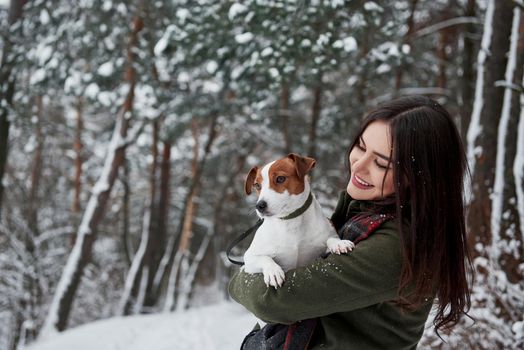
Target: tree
column 64, row 295
column 7, row 88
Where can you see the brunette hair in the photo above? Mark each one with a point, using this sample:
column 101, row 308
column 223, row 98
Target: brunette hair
column 429, row 165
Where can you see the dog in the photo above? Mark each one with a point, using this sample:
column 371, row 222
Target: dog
column 294, row 231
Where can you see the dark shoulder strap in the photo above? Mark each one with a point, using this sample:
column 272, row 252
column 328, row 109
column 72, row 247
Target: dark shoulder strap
column 240, row 239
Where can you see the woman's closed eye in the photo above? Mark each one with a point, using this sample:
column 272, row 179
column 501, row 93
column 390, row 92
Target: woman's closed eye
column 381, row 166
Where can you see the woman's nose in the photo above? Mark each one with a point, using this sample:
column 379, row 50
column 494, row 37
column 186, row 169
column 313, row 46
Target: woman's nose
column 361, row 164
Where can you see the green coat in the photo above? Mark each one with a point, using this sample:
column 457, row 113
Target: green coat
column 354, row 295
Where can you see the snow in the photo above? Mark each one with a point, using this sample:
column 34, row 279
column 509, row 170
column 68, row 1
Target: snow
column 274, row 72
column 44, row 17
column 244, row 38
column 92, row 90
column 107, row 5
column 162, row 43
column 106, row 69
column 235, row 10
column 348, row 44
column 211, row 86
column 267, row 51
column 306, row 43
column 37, row 77
column 372, row 6
column 220, row 326
column 211, row 67
column 183, row 15
column 43, row 52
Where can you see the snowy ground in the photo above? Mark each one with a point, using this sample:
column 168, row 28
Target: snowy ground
column 221, row 327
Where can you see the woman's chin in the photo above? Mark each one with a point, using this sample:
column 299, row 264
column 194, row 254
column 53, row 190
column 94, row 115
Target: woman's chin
column 363, row 195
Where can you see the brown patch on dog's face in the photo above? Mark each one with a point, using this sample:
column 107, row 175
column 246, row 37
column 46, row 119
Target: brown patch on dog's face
column 283, row 176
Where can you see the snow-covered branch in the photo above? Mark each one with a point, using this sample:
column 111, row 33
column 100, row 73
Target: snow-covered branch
column 510, row 85
column 445, row 24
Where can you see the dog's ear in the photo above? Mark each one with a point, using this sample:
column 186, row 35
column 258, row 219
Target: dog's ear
column 303, row 165
column 250, row 180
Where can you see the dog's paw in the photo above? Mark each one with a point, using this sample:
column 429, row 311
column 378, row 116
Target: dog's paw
column 274, row 276
column 339, row 246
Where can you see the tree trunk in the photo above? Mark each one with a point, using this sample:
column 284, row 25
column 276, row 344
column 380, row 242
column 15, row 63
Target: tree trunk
column 134, row 275
column 95, row 210
column 187, row 227
column 221, row 241
column 163, row 217
column 7, row 90
column 506, row 219
column 174, row 241
column 468, row 73
column 180, row 266
column 126, row 242
column 156, row 245
column 284, row 114
column 36, row 171
column 479, row 218
column 407, row 40
column 164, row 197
column 75, row 208
column 137, row 285
column 442, row 59
column 315, row 116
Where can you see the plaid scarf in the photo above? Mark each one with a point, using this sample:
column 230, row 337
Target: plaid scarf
column 359, row 227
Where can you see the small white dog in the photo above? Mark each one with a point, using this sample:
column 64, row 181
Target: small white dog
column 294, row 231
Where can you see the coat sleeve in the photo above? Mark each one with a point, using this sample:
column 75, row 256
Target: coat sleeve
column 339, row 283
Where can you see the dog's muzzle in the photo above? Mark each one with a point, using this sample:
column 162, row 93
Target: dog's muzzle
column 261, row 206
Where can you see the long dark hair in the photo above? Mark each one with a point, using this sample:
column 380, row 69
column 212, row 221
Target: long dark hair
column 429, row 165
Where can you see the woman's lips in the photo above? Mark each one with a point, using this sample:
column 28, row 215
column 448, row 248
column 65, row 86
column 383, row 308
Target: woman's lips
column 359, row 184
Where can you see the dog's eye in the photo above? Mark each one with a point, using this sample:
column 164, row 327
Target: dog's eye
column 281, row 179
column 257, row 186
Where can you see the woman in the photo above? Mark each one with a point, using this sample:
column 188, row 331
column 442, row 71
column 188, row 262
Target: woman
column 406, row 173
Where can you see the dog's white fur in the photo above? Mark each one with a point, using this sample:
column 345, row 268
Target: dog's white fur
column 280, row 245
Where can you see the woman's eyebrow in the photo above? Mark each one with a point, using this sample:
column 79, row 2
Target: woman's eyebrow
column 382, row 156
column 376, row 153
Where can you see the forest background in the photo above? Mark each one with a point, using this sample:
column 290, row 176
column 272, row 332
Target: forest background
column 127, row 127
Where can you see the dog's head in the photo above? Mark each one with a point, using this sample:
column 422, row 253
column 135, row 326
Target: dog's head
column 282, row 185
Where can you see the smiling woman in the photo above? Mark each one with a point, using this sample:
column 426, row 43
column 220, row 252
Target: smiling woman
column 369, row 162
column 404, row 209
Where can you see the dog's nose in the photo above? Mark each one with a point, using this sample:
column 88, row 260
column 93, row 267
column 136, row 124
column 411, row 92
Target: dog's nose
column 261, row 206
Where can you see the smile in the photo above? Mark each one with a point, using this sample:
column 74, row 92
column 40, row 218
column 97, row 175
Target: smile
column 359, row 183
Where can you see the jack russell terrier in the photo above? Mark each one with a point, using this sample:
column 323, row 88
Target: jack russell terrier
column 294, row 231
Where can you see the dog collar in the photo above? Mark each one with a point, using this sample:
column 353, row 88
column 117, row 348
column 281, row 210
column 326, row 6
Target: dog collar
column 300, row 210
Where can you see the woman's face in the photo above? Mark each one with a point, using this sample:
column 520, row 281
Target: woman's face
column 369, row 161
